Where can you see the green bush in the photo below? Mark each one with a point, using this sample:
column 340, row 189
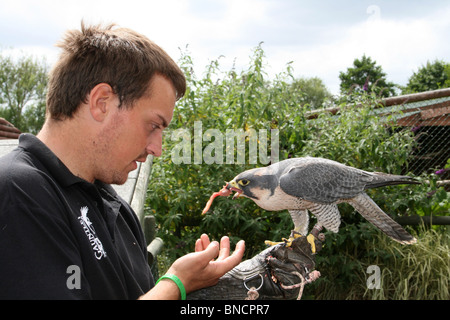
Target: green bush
column 183, row 178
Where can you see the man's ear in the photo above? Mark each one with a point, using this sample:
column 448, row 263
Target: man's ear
column 101, row 100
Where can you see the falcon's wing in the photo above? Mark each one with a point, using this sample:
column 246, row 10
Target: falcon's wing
column 323, row 181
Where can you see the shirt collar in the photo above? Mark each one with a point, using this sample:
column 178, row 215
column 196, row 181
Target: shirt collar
column 49, row 160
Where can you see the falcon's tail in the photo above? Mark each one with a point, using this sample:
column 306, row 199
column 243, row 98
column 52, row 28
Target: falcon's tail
column 373, row 213
column 383, row 179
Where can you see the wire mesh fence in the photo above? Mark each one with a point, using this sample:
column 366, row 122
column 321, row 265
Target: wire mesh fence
column 427, row 115
column 429, row 119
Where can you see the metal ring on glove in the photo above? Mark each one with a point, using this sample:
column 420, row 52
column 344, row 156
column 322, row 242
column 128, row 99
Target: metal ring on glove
column 251, row 278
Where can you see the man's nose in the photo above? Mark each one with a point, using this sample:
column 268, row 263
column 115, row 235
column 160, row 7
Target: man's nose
column 155, row 148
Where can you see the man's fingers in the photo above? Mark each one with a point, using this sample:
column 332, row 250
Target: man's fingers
column 199, row 270
column 239, row 251
column 211, row 251
column 205, row 241
column 202, row 243
column 224, row 248
column 232, row 261
column 198, row 245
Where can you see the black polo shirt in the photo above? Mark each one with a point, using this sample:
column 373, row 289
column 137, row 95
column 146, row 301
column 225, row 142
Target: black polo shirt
column 62, row 237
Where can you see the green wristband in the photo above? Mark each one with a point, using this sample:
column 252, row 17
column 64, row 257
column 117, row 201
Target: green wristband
column 177, row 281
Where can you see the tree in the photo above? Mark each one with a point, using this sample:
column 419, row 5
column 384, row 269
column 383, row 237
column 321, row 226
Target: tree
column 434, row 75
column 315, row 93
column 22, row 91
column 365, row 75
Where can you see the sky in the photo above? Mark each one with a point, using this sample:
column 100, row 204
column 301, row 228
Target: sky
column 321, row 38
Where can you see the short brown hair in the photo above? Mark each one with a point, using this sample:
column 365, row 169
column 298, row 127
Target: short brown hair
column 121, row 57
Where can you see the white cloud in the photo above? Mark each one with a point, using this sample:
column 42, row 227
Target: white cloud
column 321, row 39
column 399, row 46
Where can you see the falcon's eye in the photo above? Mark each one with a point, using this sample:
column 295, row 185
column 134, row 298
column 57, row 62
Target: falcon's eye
column 244, row 182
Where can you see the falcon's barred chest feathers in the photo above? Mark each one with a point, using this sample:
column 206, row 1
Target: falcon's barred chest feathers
column 317, row 185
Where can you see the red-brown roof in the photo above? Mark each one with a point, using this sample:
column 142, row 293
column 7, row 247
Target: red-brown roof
column 431, row 108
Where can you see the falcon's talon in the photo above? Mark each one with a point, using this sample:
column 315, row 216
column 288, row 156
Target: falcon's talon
column 272, row 243
column 295, row 235
column 289, row 241
column 311, row 240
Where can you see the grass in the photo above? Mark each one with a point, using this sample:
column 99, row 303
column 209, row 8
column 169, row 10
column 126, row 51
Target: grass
column 415, row 272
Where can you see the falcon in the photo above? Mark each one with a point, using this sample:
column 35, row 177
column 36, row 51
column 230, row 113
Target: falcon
column 317, row 185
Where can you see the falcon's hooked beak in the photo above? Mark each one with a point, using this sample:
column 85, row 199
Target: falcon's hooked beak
column 233, row 186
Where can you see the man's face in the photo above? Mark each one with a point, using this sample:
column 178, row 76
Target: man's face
column 133, row 133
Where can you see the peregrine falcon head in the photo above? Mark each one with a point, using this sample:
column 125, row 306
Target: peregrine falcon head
column 254, row 183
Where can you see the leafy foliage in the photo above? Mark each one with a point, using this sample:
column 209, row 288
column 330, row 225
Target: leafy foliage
column 432, row 76
column 356, row 136
column 366, row 76
column 22, row 92
column 314, row 92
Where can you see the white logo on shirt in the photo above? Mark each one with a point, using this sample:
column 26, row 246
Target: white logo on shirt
column 88, row 228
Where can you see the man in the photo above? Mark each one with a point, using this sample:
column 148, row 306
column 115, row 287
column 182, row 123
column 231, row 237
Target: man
column 110, row 95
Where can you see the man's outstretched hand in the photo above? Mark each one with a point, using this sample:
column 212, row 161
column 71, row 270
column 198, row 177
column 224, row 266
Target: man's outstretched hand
column 200, row 269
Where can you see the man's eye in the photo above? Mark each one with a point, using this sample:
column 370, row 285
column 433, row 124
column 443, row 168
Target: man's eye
column 154, row 126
